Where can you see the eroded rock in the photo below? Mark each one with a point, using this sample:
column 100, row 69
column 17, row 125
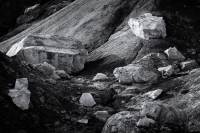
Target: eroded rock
column 167, row 116
column 147, row 26
column 20, row 94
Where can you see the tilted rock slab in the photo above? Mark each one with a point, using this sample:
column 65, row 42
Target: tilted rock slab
column 20, row 94
column 174, row 54
column 63, row 53
column 147, row 26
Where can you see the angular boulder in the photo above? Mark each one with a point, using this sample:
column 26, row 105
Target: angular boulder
column 174, row 54
column 166, row 71
column 87, row 100
column 63, row 53
column 135, row 74
column 187, row 65
column 147, row 26
column 20, row 94
column 101, row 115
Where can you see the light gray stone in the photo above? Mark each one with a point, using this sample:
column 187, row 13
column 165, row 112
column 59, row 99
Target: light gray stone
column 188, row 65
column 87, row 100
column 20, row 94
column 147, row 26
column 100, row 77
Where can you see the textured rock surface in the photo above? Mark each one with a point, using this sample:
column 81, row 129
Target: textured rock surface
column 63, row 53
column 101, row 115
column 20, row 94
column 170, row 117
column 135, row 74
column 92, row 22
column 122, row 122
column 147, row 26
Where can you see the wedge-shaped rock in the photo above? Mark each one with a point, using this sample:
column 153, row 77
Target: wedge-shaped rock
column 166, row 71
column 63, row 53
column 154, row 94
column 174, row 54
column 135, row 74
column 187, row 65
column 87, row 100
column 100, row 77
column 102, row 115
column 147, row 26
column 20, row 94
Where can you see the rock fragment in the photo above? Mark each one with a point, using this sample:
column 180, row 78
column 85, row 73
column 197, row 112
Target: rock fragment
column 87, row 100
column 20, row 94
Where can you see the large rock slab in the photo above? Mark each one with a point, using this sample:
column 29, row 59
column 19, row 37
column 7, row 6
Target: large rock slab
column 20, row 94
column 135, row 74
column 147, row 26
column 63, row 53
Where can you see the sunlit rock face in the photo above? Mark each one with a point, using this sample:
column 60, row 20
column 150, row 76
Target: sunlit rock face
column 20, row 94
column 63, row 53
column 147, row 26
column 87, row 100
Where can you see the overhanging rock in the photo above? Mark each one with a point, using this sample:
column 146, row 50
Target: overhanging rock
column 63, row 53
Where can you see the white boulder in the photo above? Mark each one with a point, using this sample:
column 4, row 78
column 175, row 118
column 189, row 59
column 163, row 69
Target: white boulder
column 20, row 94
column 147, row 26
column 174, row 54
column 87, row 100
column 100, row 77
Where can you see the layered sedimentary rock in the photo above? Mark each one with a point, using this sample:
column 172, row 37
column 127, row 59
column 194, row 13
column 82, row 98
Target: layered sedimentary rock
column 63, row 53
